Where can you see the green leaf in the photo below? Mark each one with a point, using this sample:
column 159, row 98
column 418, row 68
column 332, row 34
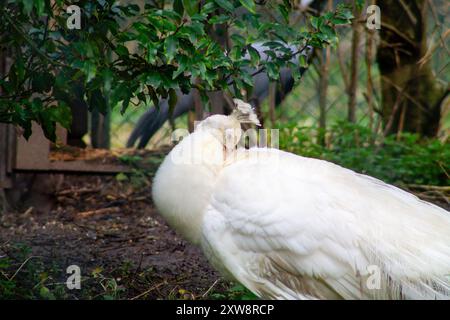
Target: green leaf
column 208, row 8
column 254, row 55
column 42, row 82
column 170, row 45
column 122, row 50
column 302, row 61
column 295, row 70
column 191, row 6
column 178, row 7
column 89, row 69
column 222, row 18
column 45, row 293
column 317, row 22
column 225, row 4
column 152, row 51
column 200, row 17
column 272, row 70
column 125, row 103
column 236, row 53
column 153, row 79
column 360, row 4
column 121, row 177
column 238, row 39
column 344, row 12
column 39, row 5
column 118, row 93
column 177, row 72
column 28, row 5
column 284, row 12
column 247, row 79
column 273, row 44
column 107, row 76
column 61, row 114
column 249, row 5
column 20, row 69
column 172, row 101
column 202, row 68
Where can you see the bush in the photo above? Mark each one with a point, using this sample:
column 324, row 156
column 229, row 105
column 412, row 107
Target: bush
column 406, row 159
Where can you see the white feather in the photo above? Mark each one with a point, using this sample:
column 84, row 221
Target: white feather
column 290, row 227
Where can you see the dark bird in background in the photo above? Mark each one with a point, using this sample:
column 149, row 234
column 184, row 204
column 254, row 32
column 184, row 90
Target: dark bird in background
column 154, row 118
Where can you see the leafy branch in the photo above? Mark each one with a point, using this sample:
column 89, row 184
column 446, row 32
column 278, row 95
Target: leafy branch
column 174, row 51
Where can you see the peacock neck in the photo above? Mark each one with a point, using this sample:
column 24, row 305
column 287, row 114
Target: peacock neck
column 185, row 181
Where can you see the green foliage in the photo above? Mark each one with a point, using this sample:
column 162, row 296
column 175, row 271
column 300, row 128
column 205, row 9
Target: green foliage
column 236, row 292
column 53, row 65
column 141, row 171
column 23, row 276
column 403, row 160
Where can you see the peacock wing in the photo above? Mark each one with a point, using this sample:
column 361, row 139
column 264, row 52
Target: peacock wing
column 289, row 227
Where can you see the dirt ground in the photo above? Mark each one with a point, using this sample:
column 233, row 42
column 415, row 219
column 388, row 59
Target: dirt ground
column 108, row 226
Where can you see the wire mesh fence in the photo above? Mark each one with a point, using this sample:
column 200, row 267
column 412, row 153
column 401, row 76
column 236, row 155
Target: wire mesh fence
column 301, row 106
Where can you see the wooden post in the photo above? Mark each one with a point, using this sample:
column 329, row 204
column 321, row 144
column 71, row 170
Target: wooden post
column 5, row 156
column 100, row 129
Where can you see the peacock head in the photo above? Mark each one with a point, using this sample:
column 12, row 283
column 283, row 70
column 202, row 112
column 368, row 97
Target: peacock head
column 244, row 112
column 227, row 129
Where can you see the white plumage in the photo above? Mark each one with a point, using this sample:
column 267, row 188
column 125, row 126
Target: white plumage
column 290, row 227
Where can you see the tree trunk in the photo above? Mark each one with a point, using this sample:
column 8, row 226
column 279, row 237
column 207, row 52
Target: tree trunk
column 411, row 96
column 369, row 63
column 323, row 93
column 353, row 85
column 79, row 125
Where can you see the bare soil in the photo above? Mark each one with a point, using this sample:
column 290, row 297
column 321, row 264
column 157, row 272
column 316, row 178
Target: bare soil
column 108, row 226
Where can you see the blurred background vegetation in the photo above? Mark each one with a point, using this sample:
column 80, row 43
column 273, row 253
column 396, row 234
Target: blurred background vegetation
column 363, row 145
column 372, row 100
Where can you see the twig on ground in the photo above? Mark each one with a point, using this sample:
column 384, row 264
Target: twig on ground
column 69, row 192
column 28, row 211
column 21, row 266
column 86, row 214
column 149, row 290
column 210, row 288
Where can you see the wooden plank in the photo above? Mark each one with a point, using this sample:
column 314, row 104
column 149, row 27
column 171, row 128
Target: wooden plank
column 3, row 153
column 76, row 166
column 61, row 135
column 86, row 166
column 11, row 145
column 34, row 152
column 33, row 155
column 5, row 157
column 7, row 147
column 3, row 150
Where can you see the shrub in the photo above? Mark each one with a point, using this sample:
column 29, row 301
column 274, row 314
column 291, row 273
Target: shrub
column 406, row 159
